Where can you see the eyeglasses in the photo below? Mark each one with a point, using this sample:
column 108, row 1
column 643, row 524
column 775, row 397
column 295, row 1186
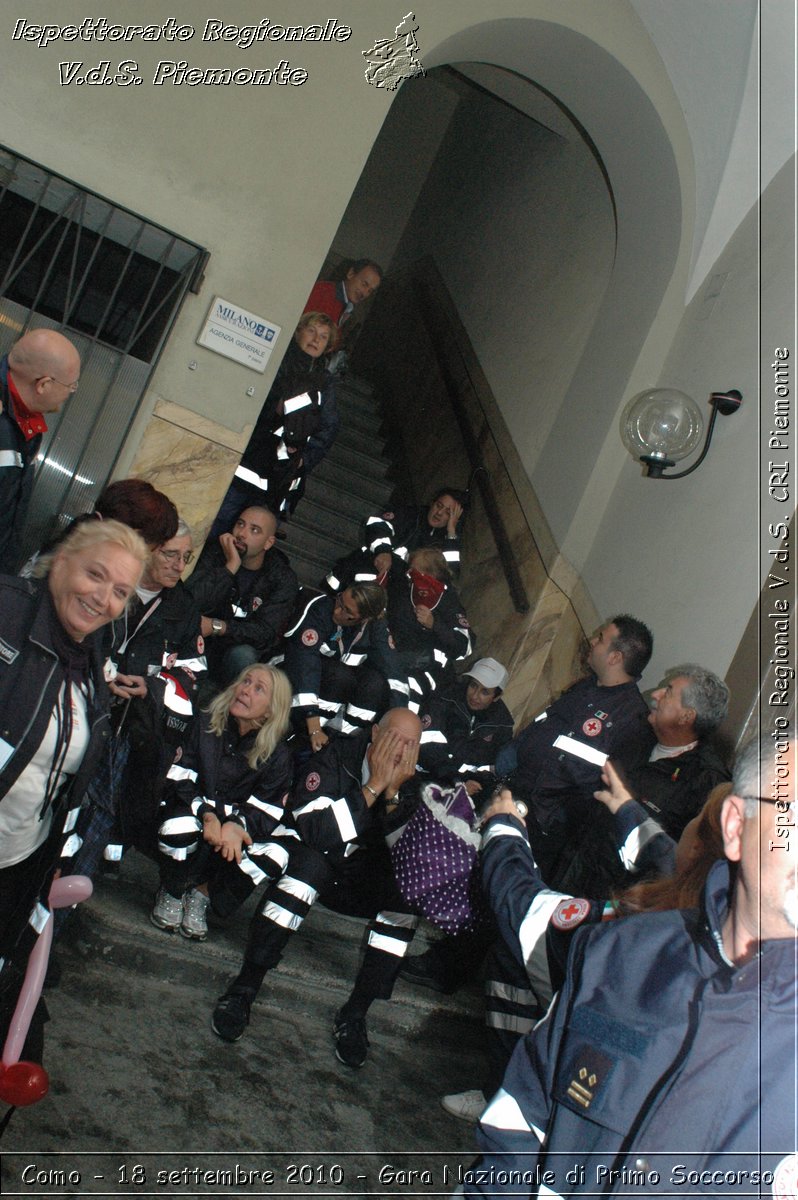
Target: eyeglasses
column 339, row 604
column 177, row 556
column 70, row 387
column 788, row 805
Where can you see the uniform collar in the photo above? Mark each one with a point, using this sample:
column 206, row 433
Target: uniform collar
column 31, row 424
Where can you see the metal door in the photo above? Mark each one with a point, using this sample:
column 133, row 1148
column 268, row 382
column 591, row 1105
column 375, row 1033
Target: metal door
column 113, row 283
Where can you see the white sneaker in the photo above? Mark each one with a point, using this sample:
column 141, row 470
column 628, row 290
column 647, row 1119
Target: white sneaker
column 167, row 912
column 468, row 1106
column 195, row 922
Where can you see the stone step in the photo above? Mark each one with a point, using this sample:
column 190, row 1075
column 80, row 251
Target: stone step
column 346, row 487
column 360, row 439
column 364, row 412
column 310, row 569
column 314, row 544
column 138, row 1077
column 333, row 495
column 330, row 522
column 357, row 385
column 115, row 924
column 375, row 493
column 364, row 466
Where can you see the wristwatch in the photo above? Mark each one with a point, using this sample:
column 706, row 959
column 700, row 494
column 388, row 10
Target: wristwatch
column 216, row 625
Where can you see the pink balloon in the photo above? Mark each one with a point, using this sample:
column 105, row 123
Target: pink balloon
column 28, row 996
column 23, row 1083
column 70, row 889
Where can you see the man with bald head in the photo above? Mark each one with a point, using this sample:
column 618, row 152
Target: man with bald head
column 349, row 795
column 37, row 375
column 246, row 590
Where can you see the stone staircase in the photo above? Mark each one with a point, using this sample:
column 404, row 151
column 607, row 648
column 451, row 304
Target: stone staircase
column 348, row 484
column 136, row 1070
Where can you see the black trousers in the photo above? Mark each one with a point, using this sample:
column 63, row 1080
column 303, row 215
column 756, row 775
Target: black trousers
column 359, row 694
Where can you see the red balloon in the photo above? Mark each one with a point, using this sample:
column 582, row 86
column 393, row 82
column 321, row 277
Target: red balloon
column 23, row 1083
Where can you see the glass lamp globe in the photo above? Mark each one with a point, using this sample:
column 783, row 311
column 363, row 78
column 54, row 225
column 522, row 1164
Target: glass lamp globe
column 661, row 426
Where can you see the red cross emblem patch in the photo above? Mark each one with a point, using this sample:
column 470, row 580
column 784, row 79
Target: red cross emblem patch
column 309, row 637
column 570, row 913
column 592, row 727
column 256, row 603
column 200, row 644
column 312, row 782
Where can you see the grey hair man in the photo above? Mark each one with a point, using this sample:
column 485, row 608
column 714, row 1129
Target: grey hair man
column 37, row 376
column 683, row 766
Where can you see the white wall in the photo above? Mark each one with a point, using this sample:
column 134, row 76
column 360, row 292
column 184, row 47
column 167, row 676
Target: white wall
column 684, row 555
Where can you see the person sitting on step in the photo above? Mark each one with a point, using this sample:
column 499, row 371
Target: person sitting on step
column 342, row 663
column 332, row 846
column 464, row 726
column 427, row 621
column 395, row 533
column 246, row 591
column 224, row 796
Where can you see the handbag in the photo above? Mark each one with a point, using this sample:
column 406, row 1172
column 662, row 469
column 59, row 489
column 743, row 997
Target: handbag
column 435, row 859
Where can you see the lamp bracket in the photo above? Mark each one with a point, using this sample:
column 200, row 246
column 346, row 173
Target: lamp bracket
column 724, row 403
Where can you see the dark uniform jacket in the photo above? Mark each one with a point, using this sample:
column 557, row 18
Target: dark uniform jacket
column 457, row 743
column 613, row 720
column 328, row 808
column 674, row 790
column 300, row 413
column 658, row 1057
column 257, row 610
column 148, row 634
column 16, row 477
column 402, row 530
column 160, row 641
column 395, row 531
column 213, row 775
column 31, row 677
column 538, row 922
column 451, row 637
column 316, row 636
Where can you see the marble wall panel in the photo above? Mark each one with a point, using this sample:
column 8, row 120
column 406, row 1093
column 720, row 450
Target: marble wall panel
column 191, row 459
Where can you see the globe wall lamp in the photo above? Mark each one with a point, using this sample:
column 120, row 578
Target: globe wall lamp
column 661, row 426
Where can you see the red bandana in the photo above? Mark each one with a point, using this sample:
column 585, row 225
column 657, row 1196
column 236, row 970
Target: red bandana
column 425, row 589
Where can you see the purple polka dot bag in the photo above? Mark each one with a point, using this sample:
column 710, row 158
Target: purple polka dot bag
column 435, row 859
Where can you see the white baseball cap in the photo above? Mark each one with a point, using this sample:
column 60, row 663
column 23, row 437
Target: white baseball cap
column 489, row 673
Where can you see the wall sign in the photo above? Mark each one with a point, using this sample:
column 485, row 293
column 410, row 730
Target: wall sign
column 238, row 334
